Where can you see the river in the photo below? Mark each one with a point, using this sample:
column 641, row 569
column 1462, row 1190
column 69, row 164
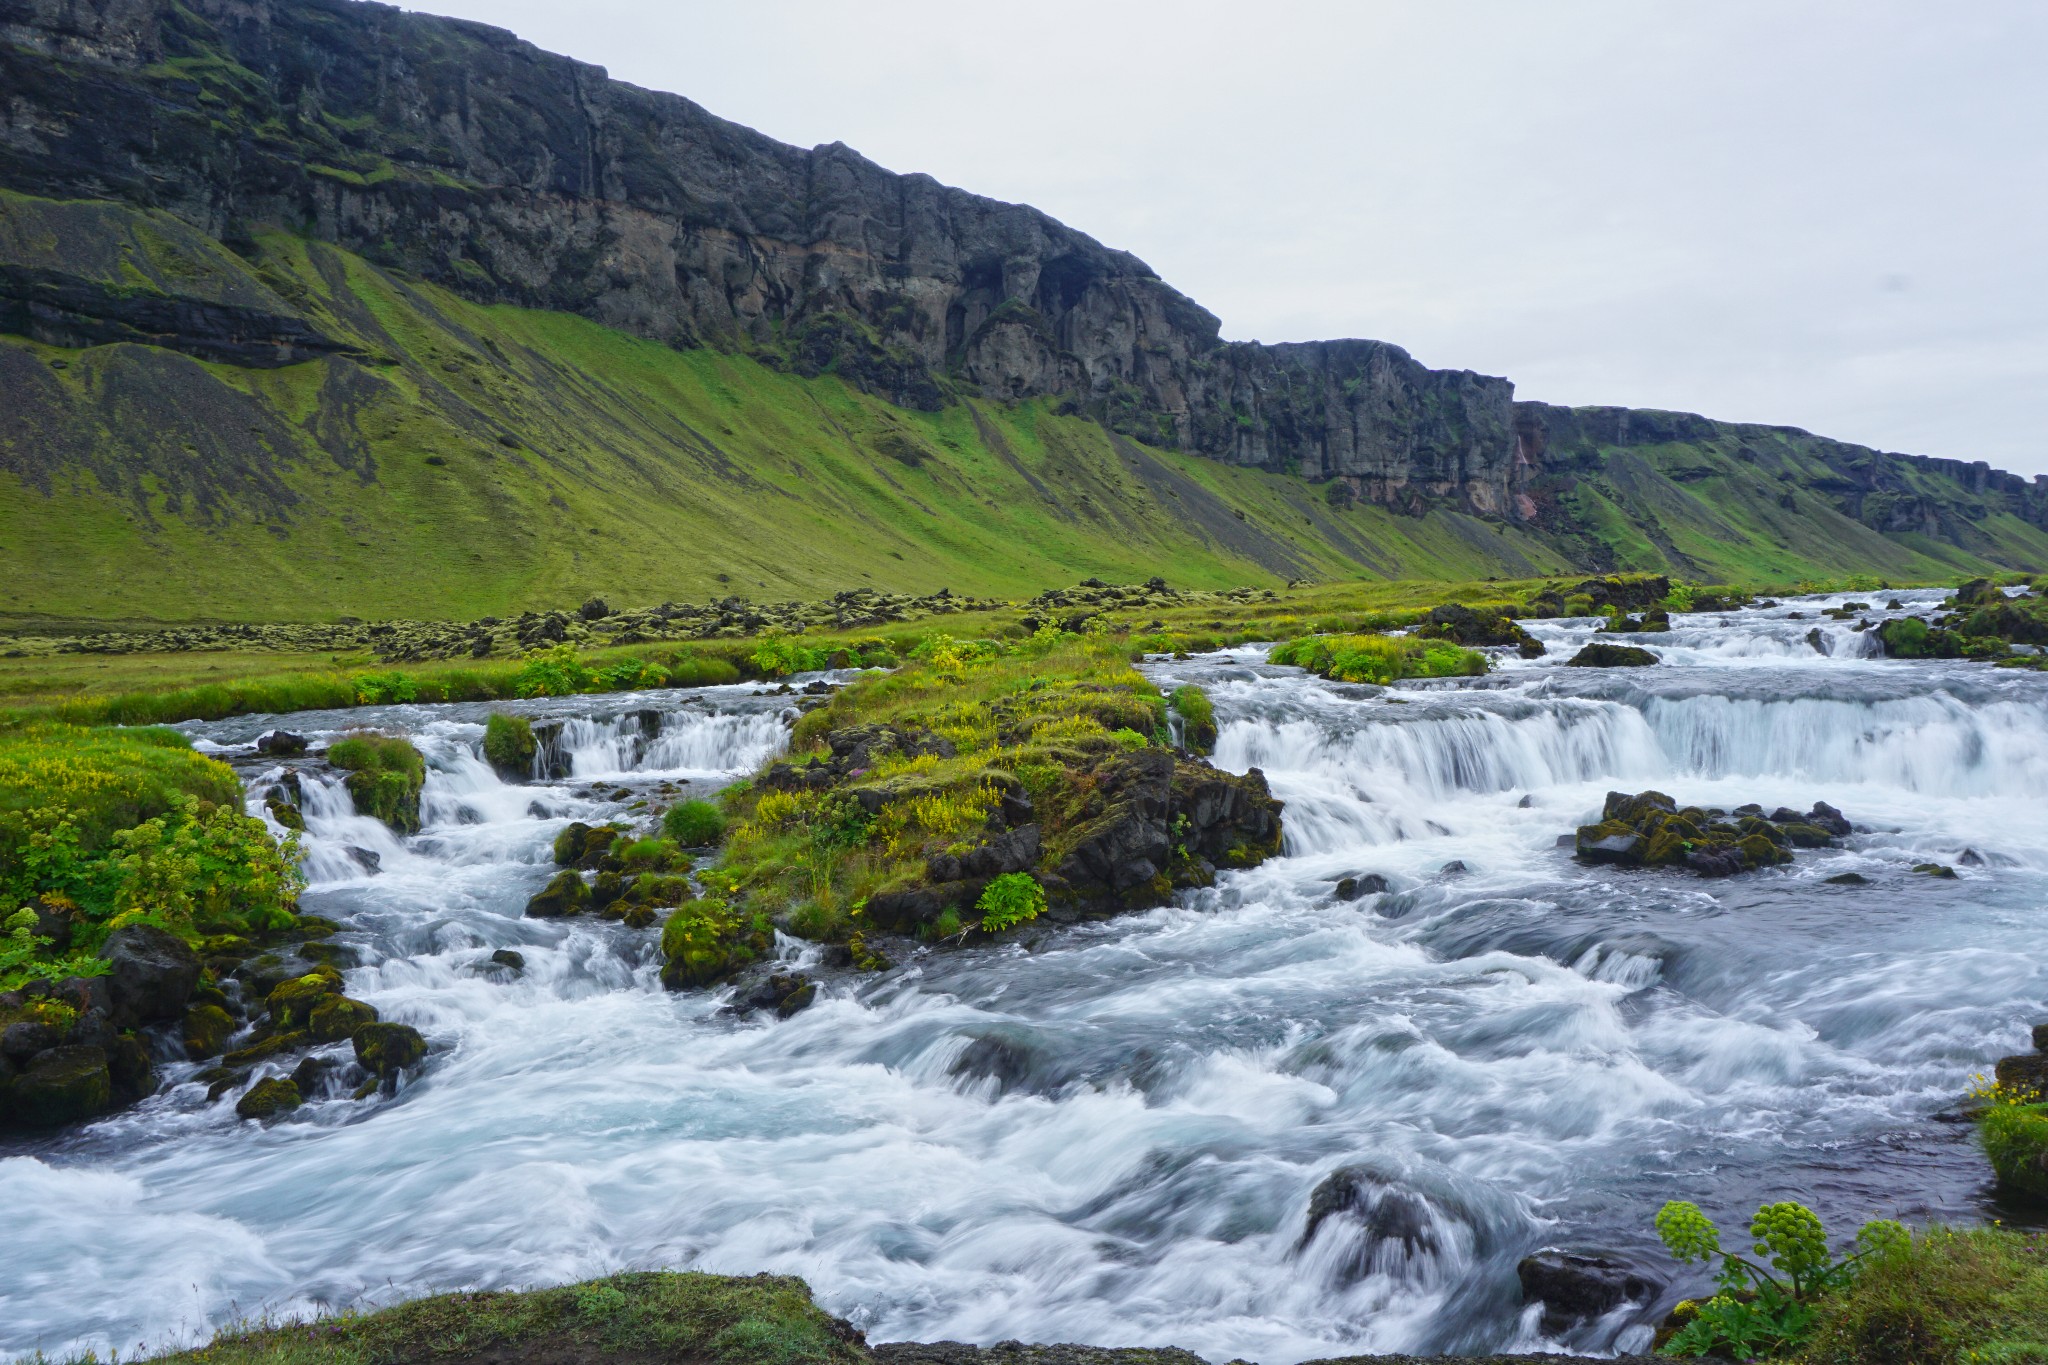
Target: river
column 1523, row 1053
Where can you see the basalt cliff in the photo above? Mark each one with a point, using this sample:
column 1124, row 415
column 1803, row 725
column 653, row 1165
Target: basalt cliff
column 454, row 155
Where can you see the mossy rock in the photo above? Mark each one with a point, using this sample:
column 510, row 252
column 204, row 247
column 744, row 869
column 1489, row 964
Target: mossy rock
column 385, row 775
column 61, row 1085
column 565, row 894
column 1940, row 871
column 284, row 812
column 387, row 1049
column 705, row 941
column 268, row 1098
column 291, row 1002
column 1759, row 851
column 268, row 1047
column 509, row 746
column 338, row 1017
column 1600, row 654
column 206, row 1031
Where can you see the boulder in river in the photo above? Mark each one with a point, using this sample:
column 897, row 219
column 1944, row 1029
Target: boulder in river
column 268, row 1098
column 151, row 973
column 61, row 1085
column 1600, row 654
column 1649, row 829
column 565, row 894
column 385, row 1050
column 1578, row 1287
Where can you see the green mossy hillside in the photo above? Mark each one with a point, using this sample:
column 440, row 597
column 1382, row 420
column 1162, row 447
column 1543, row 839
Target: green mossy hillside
column 459, row 460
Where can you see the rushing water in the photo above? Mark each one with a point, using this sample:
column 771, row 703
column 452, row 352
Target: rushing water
column 1111, row 1132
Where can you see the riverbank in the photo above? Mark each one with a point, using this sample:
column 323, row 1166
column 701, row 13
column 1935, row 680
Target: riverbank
column 1951, row 1298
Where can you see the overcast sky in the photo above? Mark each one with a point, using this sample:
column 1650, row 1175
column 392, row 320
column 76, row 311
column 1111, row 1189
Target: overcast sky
column 1829, row 214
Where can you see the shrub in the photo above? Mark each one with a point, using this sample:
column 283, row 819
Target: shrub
column 376, row 689
column 556, row 672
column 778, row 656
column 1127, row 738
column 1010, row 900
column 632, row 674
column 694, row 824
column 1759, row 1309
column 509, row 744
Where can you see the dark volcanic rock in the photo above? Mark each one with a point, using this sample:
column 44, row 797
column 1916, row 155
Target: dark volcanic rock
column 1576, row 1287
column 1600, row 654
column 152, row 974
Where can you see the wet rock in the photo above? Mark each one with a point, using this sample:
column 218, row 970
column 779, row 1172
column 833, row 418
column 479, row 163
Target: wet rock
column 1600, row 654
column 1577, row 1287
column 61, row 1085
column 1388, row 1219
column 385, row 1050
column 565, row 894
column 129, row 1068
column 786, row 993
column 1848, row 879
column 281, row 744
column 24, row 1038
column 1828, row 818
column 2028, row 1071
column 284, row 812
column 1970, row 858
column 291, row 1003
column 1007, row 1061
column 1353, row 888
column 206, row 1031
column 310, row 1076
column 367, row 859
column 268, row 1098
column 338, row 1017
column 507, row 958
column 151, row 974
column 1453, row 869
column 1939, row 871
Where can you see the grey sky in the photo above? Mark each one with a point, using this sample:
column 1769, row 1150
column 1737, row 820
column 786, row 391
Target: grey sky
column 1832, row 215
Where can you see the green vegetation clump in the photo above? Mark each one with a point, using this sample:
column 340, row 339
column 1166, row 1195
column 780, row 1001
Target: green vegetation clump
column 1010, row 900
column 1950, row 1297
column 1379, row 658
column 706, row 940
column 1198, row 717
column 648, row 1316
column 104, row 828
column 694, row 824
column 509, row 745
column 1767, row 1306
column 385, row 774
column 2013, row 1127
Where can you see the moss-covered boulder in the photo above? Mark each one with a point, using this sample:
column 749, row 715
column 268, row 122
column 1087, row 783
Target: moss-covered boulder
column 291, row 1002
column 1649, row 829
column 338, row 1017
column 206, row 1031
column 269, row 1098
column 509, row 746
column 565, row 894
column 707, row 940
column 385, row 1050
column 585, row 846
column 385, row 774
column 61, row 1085
column 1600, row 654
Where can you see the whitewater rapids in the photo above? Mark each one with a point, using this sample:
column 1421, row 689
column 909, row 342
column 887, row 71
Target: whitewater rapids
column 1111, row 1132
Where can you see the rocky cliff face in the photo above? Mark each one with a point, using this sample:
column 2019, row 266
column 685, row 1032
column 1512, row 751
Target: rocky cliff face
column 470, row 158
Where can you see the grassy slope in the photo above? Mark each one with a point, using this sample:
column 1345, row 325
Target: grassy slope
column 140, row 484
